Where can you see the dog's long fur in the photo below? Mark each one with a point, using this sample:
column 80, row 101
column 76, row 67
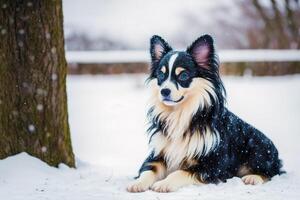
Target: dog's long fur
column 199, row 135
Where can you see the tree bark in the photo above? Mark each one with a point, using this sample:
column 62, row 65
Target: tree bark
column 33, row 101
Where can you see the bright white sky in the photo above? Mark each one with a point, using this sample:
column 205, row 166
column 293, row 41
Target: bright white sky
column 136, row 20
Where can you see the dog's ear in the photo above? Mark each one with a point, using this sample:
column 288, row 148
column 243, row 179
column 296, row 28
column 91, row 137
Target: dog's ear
column 158, row 48
column 202, row 50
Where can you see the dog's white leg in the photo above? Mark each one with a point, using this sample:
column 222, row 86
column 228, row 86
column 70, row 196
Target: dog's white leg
column 174, row 181
column 253, row 179
column 147, row 178
column 143, row 183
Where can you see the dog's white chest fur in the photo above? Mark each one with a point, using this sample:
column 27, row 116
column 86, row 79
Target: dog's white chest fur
column 177, row 150
column 173, row 145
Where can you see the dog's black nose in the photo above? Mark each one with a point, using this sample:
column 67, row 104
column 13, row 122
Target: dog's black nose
column 165, row 92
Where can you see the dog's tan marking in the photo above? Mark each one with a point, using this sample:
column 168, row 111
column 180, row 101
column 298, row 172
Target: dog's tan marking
column 178, row 70
column 163, row 69
column 174, row 181
column 253, row 179
column 159, row 170
column 243, row 171
column 147, row 178
column 188, row 163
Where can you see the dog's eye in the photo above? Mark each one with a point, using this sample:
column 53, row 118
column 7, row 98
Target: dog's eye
column 160, row 75
column 183, row 76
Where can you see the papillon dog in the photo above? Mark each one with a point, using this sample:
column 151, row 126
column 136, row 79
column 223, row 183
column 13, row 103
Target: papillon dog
column 193, row 137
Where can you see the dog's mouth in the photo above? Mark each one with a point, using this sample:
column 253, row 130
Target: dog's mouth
column 169, row 101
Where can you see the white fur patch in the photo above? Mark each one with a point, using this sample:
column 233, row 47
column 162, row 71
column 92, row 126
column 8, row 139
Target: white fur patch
column 172, row 144
column 178, row 118
column 171, row 63
column 143, row 183
column 177, row 150
column 253, row 179
column 175, row 181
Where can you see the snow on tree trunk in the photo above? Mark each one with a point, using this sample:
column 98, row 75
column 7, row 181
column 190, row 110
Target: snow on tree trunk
column 33, row 101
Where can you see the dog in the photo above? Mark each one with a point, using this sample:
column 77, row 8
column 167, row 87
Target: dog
column 194, row 138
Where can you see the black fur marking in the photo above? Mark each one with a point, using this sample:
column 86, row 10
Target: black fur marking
column 240, row 143
column 155, row 58
column 202, row 50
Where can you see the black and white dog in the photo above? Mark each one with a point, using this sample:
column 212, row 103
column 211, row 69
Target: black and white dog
column 194, row 138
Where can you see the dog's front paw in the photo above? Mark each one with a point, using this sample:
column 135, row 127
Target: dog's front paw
column 164, row 186
column 138, row 186
column 253, row 179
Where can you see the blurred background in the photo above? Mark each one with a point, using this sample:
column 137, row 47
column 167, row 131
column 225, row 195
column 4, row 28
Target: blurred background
column 106, row 25
column 235, row 24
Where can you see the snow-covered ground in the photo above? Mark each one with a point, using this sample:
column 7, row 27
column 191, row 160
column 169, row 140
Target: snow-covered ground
column 107, row 118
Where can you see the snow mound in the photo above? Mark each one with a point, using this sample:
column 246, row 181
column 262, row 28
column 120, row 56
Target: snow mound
column 25, row 177
column 23, row 167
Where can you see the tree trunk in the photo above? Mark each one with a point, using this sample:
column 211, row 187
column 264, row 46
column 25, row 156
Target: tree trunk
column 33, row 101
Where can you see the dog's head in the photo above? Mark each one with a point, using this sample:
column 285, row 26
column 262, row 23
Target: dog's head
column 184, row 75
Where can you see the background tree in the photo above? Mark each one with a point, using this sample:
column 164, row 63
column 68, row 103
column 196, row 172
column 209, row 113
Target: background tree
column 274, row 21
column 33, row 101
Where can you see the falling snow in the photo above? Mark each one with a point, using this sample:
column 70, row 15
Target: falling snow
column 47, row 35
column 39, row 107
column 29, row 4
column 20, row 44
column 54, row 77
column 31, row 57
column 31, row 128
column 53, row 50
column 21, row 31
column 44, row 149
column 3, row 31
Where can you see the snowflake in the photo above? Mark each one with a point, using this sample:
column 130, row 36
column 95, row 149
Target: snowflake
column 54, row 77
column 3, row 31
column 31, row 128
column 44, row 149
column 21, row 31
column 39, row 107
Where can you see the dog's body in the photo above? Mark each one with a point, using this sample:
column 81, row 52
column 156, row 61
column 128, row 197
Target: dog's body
column 194, row 138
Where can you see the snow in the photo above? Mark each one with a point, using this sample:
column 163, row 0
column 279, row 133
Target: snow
column 21, row 31
column 31, row 128
column 107, row 118
column 246, row 55
column 54, row 77
column 39, row 107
